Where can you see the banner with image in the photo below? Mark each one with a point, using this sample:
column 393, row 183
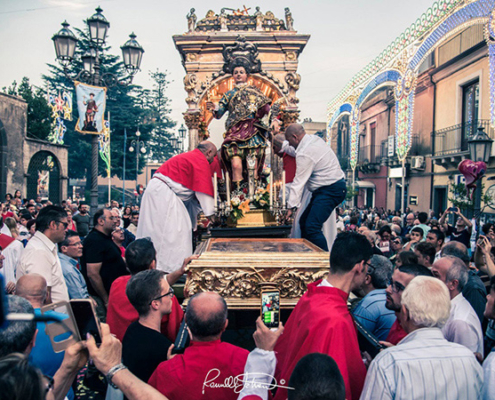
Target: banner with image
column 91, row 101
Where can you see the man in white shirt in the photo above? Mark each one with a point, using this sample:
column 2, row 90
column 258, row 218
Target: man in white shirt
column 463, row 326
column 317, row 169
column 424, row 365
column 41, row 256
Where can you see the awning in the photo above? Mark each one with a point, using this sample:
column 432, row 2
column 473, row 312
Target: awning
column 365, row 185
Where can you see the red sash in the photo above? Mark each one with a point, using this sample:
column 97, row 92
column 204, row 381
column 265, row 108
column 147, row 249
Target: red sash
column 5, row 240
column 191, row 170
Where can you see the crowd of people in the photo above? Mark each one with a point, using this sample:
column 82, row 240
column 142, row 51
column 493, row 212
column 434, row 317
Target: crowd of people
column 416, row 283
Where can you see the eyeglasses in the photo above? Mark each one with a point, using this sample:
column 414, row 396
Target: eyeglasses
column 169, row 293
column 75, row 244
column 65, row 224
column 396, row 286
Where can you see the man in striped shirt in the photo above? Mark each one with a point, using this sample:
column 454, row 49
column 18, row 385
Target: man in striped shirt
column 424, row 365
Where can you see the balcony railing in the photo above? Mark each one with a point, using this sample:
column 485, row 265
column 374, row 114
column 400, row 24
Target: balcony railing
column 370, row 154
column 454, row 140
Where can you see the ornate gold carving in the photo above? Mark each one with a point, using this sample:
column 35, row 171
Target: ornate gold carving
column 289, row 117
column 192, row 119
column 242, row 53
column 191, row 57
column 190, row 82
column 293, row 80
column 210, row 14
column 291, row 56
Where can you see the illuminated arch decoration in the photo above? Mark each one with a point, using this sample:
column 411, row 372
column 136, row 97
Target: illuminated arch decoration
column 343, row 109
column 400, row 61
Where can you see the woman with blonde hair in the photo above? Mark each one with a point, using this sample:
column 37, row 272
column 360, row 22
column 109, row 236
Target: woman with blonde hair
column 12, row 225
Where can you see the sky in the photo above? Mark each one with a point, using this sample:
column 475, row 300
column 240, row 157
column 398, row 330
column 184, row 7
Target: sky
column 345, row 36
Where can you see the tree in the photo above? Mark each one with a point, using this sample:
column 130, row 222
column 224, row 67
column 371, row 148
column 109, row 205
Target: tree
column 38, row 111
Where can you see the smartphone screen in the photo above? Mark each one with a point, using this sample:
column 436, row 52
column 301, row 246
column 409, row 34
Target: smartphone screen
column 85, row 319
column 270, row 308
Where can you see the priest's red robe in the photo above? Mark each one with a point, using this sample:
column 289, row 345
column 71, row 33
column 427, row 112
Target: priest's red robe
column 321, row 323
column 121, row 313
column 202, row 372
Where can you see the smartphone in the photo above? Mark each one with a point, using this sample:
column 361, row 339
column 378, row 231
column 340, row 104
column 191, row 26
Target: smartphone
column 182, row 340
column 270, row 308
column 453, row 209
column 86, row 319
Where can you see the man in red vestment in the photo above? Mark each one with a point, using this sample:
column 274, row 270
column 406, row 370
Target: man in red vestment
column 321, row 321
column 400, row 279
column 140, row 256
column 201, row 372
column 179, row 190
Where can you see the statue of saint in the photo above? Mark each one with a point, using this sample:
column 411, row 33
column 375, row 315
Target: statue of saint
column 191, row 20
column 289, row 20
column 244, row 135
column 259, row 19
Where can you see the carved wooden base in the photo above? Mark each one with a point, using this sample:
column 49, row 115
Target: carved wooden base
column 254, row 218
column 237, row 268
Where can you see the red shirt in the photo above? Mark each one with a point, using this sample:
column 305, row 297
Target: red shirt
column 121, row 313
column 203, row 364
column 290, row 167
column 8, row 214
column 321, row 323
column 396, row 333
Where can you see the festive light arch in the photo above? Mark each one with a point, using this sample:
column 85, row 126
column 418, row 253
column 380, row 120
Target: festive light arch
column 398, row 65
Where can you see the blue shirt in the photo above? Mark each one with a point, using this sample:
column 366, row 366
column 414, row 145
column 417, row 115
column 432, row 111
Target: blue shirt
column 76, row 285
column 373, row 315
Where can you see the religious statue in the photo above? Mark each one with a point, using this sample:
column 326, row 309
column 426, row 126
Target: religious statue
column 289, row 20
column 191, row 20
column 91, row 110
column 259, row 19
column 223, row 21
column 244, row 136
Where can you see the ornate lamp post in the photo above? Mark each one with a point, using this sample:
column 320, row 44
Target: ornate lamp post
column 65, row 46
column 480, row 149
column 138, row 146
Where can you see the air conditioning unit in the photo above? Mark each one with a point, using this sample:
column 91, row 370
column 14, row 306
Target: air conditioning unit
column 418, row 163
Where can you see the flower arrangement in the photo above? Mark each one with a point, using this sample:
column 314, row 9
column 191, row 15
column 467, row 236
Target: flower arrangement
column 241, row 204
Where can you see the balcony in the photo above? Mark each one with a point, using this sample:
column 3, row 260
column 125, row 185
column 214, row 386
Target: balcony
column 370, row 158
column 450, row 145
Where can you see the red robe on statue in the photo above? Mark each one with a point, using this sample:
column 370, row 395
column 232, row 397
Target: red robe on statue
column 194, row 374
column 191, row 170
column 121, row 313
column 321, row 323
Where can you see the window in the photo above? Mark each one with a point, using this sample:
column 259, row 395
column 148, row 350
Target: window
column 470, row 109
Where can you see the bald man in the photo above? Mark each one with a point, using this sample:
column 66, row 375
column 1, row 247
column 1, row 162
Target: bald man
column 33, row 288
column 319, row 171
column 178, row 191
column 207, row 362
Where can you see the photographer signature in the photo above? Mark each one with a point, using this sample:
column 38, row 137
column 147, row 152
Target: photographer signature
column 238, row 382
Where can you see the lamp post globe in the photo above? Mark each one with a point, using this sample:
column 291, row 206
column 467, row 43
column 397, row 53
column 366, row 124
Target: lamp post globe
column 182, row 131
column 89, row 61
column 480, row 146
column 132, row 53
column 98, row 27
column 65, row 44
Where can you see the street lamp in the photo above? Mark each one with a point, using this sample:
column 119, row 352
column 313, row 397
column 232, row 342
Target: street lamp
column 480, row 149
column 182, row 132
column 138, row 146
column 65, row 46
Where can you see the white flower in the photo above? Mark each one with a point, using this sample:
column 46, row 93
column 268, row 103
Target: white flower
column 235, row 201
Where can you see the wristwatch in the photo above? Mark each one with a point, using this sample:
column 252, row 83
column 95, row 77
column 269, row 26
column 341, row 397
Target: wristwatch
column 112, row 372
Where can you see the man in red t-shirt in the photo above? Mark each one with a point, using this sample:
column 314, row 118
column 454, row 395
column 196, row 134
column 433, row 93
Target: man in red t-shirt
column 400, row 279
column 140, row 256
column 207, row 364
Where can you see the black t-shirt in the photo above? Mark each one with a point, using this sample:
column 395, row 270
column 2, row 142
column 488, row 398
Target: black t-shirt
column 143, row 349
column 100, row 248
column 463, row 236
column 82, row 224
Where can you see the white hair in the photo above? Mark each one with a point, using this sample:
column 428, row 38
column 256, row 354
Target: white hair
column 428, row 301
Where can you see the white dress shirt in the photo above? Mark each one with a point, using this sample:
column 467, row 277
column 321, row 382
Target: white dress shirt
column 316, row 166
column 424, row 366
column 489, row 374
column 41, row 257
column 12, row 254
column 463, row 325
column 258, row 374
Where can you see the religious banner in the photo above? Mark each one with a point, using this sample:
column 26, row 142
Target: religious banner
column 91, row 101
column 104, row 144
column 61, row 105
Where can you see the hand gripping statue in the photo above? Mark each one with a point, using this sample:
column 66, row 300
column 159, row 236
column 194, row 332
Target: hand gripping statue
column 244, row 135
